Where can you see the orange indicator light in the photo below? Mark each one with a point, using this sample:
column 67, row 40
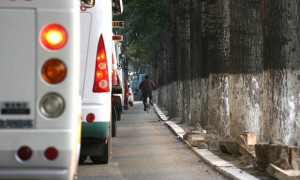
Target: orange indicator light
column 54, row 71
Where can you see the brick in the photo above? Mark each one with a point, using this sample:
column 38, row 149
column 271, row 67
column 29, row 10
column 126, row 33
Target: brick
column 250, row 138
column 213, row 142
column 241, row 140
column 222, row 147
column 262, row 153
column 195, row 139
column 276, row 154
column 247, row 150
column 230, row 145
column 281, row 174
column 203, row 146
column 279, row 156
column 294, row 157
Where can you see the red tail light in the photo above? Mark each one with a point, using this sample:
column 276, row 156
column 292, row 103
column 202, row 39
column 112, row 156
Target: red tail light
column 90, row 118
column 101, row 82
column 51, row 153
column 54, row 36
column 24, row 153
column 127, row 94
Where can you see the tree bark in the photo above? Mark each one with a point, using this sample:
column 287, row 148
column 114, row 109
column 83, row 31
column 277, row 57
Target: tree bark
column 195, row 64
column 216, row 28
column 246, row 73
column 280, row 20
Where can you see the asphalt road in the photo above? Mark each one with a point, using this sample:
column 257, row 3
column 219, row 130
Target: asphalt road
column 145, row 149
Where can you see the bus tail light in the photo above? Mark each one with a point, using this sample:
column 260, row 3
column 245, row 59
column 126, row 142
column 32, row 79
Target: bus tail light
column 24, row 153
column 90, row 118
column 51, row 153
column 54, row 71
column 52, row 105
column 101, row 81
column 54, row 36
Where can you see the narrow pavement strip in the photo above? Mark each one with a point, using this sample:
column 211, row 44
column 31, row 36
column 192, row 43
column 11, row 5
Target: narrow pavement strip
column 219, row 164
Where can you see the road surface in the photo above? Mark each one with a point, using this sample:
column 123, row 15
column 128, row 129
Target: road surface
column 145, row 149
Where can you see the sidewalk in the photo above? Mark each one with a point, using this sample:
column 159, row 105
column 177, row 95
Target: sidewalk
column 207, row 156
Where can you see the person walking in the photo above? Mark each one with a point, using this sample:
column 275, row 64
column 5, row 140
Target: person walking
column 147, row 86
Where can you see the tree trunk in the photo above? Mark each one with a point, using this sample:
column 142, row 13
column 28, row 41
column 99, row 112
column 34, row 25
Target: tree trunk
column 169, row 68
column 280, row 20
column 195, row 63
column 246, row 77
column 216, row 27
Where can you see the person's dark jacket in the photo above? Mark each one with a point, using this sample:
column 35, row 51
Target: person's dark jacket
column 147, row 86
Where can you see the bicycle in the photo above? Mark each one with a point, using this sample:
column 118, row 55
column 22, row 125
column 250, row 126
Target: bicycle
column 148, row 105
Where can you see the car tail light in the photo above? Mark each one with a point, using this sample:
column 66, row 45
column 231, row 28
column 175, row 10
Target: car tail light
column 52, row 105
column 90, row 118
column 54, row 36
column 54, row 71
column 101, row 81
column 51, row 153
column 24, row 153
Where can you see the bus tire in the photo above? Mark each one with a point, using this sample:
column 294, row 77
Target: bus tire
column 114, row 124
column 118, row 115
column 126, row 105
column 106, row 153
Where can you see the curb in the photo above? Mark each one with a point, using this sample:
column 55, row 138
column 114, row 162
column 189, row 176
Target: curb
column 207, row 156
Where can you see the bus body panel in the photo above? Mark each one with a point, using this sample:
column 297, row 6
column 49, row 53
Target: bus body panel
column 18, row 67
column 96, row 22
column 22, row 87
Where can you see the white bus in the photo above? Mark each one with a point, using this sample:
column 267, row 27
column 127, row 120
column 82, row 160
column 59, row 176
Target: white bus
column 96, row 79
column 40, row 119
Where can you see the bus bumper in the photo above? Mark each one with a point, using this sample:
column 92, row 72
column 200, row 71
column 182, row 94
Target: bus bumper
column 95, row 129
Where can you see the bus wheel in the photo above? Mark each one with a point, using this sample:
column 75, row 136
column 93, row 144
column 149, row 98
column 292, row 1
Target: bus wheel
column 82, row 158
column 114, row 125
column 104, row 158
column 126, row 105
column 106, row 153
column 118, row 115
